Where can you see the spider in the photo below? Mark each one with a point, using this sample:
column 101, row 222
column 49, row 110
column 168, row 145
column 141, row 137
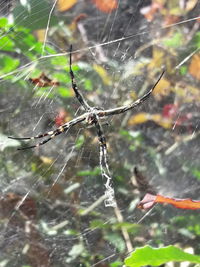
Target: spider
column 92, row 116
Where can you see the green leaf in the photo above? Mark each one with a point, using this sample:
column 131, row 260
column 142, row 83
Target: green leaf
column 34, row 14
column 64, row 92
column 130, row 227
column 197, row 40
column 7, row 64
column 6, row 44
column 45, row 92
column 3, row 22
column 62, row 77
column 156, row 256
column 183, row 70
column 196, row 173
column 88, row 85
column 27, row 43
column 99, row 224
column 60, row 61
column 175, row 41
column 116, row 264
column 96, row 171
column 80, row 141
column 116, row 240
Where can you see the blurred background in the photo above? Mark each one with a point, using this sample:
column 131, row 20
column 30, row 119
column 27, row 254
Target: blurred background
column 52, row 210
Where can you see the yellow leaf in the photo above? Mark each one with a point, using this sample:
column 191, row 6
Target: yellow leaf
column 144, row 117
column 133, row 95
column 162, row 88
column 40, row 35
column 190, row 4
column 187, row 92
column 157, row 59
column 139, row 118
column 164, row 122
column 103, row 74
column 64, row 5
column 46, row 160
column 195, row 66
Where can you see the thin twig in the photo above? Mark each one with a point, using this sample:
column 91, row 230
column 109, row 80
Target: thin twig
column 124, row 230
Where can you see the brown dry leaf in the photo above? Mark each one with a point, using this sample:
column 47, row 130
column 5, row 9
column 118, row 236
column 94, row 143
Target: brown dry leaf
column 64, row 5
column 12, row 201
column 43, row 81
column 56, row 192
column 171, row 19
column 76, row 20
column 195, row 66
column 106, row 6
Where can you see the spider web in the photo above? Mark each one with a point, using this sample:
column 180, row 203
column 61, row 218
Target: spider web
column 52, row 198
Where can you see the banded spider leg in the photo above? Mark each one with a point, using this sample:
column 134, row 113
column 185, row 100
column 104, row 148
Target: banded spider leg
column 51, row 134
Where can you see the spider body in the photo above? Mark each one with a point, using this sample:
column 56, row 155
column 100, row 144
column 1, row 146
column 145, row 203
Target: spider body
column 92, row 116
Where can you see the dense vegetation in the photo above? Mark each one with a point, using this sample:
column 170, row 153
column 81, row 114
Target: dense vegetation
column 51, row 207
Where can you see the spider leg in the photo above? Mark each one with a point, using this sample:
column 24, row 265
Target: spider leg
column 123, row 109
column 78, row 94
column 105, row 172
column 52, row 134
column 32, row 137
column 41, row 143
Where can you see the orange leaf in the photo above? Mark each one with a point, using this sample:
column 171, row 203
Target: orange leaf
column 195, row 66
column 106, row 6
column 64, row 5
column 150, row 200
column 179, row 203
